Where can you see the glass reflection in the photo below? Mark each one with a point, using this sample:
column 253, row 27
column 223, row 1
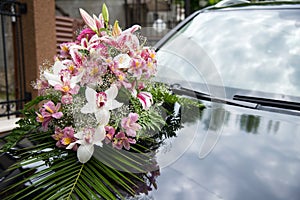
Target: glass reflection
column 249, row 123
column 261, row 54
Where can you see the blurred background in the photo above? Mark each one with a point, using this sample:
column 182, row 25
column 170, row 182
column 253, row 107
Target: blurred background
column 32, row 30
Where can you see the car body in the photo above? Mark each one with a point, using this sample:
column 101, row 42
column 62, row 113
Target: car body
column 242, row 61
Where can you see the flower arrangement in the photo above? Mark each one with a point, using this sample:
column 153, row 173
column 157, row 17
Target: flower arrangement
column 98, row 96
column 89, row 73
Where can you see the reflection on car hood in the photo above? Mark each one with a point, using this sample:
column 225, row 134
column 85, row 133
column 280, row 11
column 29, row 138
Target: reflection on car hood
column 232, row 153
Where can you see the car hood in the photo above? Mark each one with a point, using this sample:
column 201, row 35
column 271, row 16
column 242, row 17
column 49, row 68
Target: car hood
column 231, row 153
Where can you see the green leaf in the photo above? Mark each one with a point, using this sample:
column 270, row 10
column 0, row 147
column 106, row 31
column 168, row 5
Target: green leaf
column 65, row 178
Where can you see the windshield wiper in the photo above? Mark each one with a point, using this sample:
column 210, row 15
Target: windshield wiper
column 177, row 89
column 273, row 105
column 290, row 105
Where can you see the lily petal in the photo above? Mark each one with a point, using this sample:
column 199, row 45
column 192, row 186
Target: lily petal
column 89, row 21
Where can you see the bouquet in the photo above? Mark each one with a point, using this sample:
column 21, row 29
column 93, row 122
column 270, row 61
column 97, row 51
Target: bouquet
column 93, row 129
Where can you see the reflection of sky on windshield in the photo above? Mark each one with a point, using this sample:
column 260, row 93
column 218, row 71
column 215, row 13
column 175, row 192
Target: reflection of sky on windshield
column 241, row 166
column 260, row 54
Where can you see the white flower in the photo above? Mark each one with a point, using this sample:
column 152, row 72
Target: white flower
column 123, row 61
column 56, row 78
column 87, row 139
column 100, row 103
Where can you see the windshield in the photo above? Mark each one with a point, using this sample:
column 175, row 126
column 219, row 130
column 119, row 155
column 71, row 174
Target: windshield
column 254, row 51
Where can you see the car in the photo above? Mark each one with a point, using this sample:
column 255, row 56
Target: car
column 242, row 60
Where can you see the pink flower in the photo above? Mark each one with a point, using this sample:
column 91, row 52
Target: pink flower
column 66, row 87
column 62, row 79
column 122, row 141
column 137, row 67
column 47, row 112
column 110, row 132
column 67, row 99
column 41, row 85
column 65, row 48
column 86, row 33
column 125, row 41
column 64, row 137
column 130, row 125
column 146, row 99
column 94, row 23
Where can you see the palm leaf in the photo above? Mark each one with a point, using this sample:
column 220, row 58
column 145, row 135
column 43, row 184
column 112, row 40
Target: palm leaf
column 52, row 173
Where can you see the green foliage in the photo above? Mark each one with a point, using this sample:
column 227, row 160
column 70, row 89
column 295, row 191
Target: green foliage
column 55, row 173
column 48, row 172
column 26, row 125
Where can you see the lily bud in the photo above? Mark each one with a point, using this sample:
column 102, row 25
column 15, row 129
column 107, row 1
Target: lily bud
column 116, row 29
column 145, row 99
column 105, row 13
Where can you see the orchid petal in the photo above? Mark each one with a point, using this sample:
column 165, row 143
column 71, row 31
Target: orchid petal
column 58, row 66
column 79, row 135
column 57, row 115
column 123, row 61
column 76, row 79
column 85, row 152
column 88, row 108
column 102, row 116
column 112, row 92
column 99, row 136
column 71, row 145
column 52, row 78
column 90, row 95
column 113, row 104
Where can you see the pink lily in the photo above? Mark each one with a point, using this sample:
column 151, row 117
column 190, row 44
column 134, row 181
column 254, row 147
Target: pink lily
column 86, row 33
column 95, row 23
column 125, row 40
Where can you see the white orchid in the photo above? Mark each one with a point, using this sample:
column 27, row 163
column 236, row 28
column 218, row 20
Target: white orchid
column 100, row 103
column 87, row 139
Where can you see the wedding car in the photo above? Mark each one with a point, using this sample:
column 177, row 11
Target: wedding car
column 102, row 129
column 242, row 60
